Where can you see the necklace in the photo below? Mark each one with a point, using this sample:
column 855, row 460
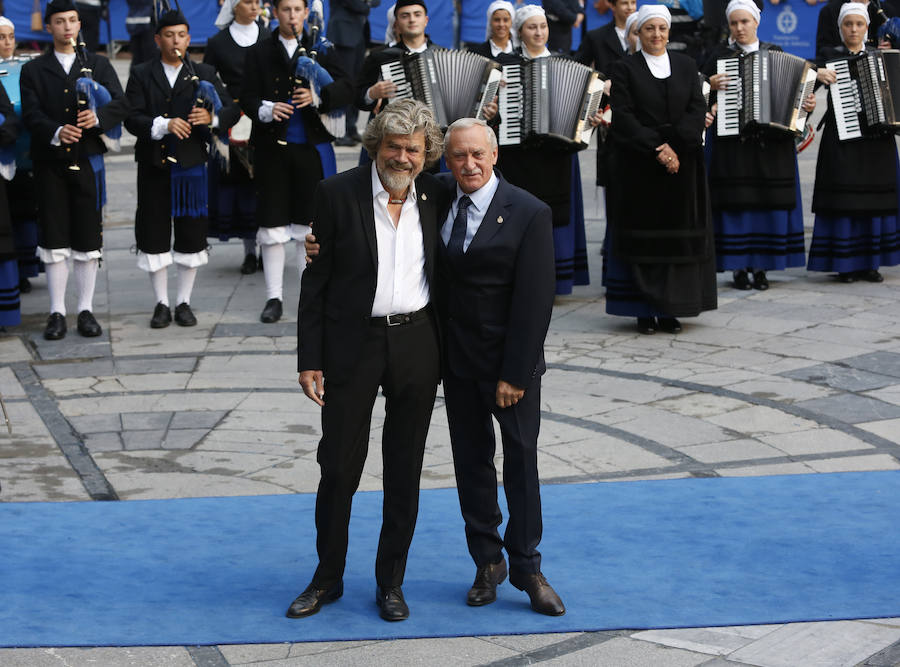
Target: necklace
column 391, row 200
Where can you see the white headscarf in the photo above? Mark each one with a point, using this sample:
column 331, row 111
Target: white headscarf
column 508, row 7
column 629, row 25
column 6, row 23
column 524, row 13
column 390, row 37
column 647, row 12
column 226, row 14
column 746, row 5
column 856, row 8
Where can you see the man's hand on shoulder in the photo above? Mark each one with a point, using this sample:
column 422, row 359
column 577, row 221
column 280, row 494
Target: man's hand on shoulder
column 508, row 395
column 313, row 383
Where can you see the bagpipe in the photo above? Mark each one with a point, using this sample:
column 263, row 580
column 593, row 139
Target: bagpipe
column 307, row 73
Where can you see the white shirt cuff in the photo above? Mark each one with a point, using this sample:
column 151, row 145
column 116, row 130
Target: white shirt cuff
column 55, row 140
column 266, row 109
column 159, row 129
column 215, row 121
column 369, row 100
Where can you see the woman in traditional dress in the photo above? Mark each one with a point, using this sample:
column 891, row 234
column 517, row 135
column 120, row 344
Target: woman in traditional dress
column 499, row 37
column 660, row 264
column 855, row 197
column 548, row 169
column 753, row 178
column 232, row 197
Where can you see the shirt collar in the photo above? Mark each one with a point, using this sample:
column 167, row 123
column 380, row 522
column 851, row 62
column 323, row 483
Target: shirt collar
column 482, row 197
column 378, row 188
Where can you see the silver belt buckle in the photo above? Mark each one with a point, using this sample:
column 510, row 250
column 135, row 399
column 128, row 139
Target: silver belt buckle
column 400, row 320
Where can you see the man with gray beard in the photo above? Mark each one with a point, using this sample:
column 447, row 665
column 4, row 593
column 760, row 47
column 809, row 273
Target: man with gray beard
column 365, row 322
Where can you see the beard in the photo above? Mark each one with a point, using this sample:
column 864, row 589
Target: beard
column 394, row 181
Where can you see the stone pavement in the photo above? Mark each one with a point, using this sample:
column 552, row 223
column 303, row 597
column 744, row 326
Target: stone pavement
column 803, row 378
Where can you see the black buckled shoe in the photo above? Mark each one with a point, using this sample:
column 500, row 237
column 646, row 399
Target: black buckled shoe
column 271, row 312
column 487, row 578
column 871, row 276
column 669, row 325
column 391, row 605
column 544, row 599
column 249, row 265
column 311, row 600
column 184, row 316
column 760, row 281
column 162, row 316
column 846, row 277
column 56, row 327
column 742, row 280
column 646, row 325
column 88, row 325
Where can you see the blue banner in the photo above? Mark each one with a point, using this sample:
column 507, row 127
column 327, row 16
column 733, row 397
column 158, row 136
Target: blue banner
column 790, row 24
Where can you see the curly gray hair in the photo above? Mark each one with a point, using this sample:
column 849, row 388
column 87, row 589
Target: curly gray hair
column 405, row 117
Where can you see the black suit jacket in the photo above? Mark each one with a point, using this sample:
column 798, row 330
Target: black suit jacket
column 600, row 48
column 49, row 100
column 497, row 298
column 227, row 57
column 268, row 76
column 338, row 288
column 347, row 21
column 150, row 95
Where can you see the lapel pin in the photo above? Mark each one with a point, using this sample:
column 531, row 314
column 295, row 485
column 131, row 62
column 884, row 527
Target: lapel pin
column 424, row 196
column 499, row 219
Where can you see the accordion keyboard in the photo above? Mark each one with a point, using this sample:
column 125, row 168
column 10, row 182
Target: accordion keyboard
column 730, row 99
column 845, row 101
column 510, row 103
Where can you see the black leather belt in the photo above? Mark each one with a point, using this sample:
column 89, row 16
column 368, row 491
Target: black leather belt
column 399, row 319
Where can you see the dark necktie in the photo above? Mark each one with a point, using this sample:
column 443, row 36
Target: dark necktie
column 460, row 222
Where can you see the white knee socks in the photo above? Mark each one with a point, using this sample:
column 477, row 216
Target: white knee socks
column 273, row 268
column 186, row 276
column 57, row 277
column 85, row 282
column 160, row 282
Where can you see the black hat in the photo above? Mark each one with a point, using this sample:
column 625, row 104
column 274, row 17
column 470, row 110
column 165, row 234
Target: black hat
column 407, row 3
column 58, row 6
column 170, row 18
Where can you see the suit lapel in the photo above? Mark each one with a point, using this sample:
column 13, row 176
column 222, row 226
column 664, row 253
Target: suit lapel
column 612, row 40
column 159, row 78
column 364, row 200
column 497, row 212
column 52, row 66
column 428, row 221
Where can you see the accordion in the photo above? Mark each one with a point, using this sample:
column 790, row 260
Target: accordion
column 455, row 84
column 765, row 89
column 866, row 95
column 548, row 97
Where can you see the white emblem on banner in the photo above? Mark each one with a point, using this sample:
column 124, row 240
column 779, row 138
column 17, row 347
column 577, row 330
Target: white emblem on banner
column 787, row 21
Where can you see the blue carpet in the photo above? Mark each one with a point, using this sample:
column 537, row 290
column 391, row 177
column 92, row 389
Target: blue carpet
column 658, row 554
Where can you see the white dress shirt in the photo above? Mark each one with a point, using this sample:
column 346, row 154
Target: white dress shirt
column 481, row 199
column 401, row 284
column 496, row 50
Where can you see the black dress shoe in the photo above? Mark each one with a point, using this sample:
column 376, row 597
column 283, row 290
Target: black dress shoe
column 346, row 140
column 871, row 276
column 742, row 280
column 162, row 316
column 847, row 277
column 87, row 324
column 646, row 325
column 249, row 265
column 184, row 316
column 487, row 578
column 272, row 311
column 311, row 600
column 353, row 134
column 760, row 281
column 544, row 599
column 669, row 325
column 24, row 286
column 391, row 604
column 56, row 327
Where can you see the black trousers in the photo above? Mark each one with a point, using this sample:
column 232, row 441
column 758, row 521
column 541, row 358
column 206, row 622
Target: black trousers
column 153, row 217
column 351, row 59
column 68, row 211
column 404, row 362
column 470, row 405
column 286, row 178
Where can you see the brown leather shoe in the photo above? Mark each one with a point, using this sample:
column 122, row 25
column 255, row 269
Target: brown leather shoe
column 487, row 578
column 311, row 600
column 544, row 599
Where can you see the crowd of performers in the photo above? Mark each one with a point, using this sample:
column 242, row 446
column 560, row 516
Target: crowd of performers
column 233, row 148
